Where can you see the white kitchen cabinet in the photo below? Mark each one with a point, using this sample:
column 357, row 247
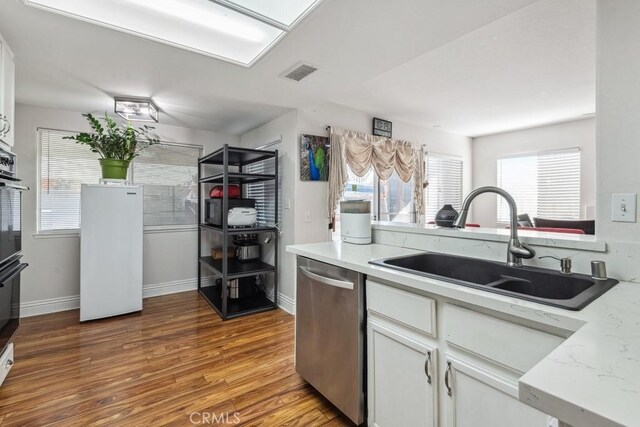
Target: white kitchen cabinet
column 474, row 385
column 479, row 397
column 7, row 94
column 504, row 343
column 401, row 378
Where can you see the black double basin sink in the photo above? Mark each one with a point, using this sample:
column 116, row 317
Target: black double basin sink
column 568, row 291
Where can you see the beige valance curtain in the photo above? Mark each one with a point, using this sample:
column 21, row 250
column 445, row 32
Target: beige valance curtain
column 361, row 152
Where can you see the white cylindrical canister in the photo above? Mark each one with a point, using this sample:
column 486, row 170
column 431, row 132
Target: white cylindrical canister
column 355, row 221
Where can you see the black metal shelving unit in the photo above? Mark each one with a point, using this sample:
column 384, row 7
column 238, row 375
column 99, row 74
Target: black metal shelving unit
column 227, row 268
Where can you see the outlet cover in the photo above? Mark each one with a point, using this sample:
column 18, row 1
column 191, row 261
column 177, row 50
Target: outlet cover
column 623, row 207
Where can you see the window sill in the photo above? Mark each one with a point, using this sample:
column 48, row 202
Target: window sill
column 56, row 234
column 147, row 230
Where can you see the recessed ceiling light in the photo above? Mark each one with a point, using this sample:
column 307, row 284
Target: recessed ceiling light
column 229, row 30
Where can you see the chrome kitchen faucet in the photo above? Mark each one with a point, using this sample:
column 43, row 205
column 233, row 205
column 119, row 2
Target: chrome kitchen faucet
column 516, row 250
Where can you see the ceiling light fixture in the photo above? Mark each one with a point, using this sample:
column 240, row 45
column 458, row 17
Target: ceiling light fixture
column 136, row 109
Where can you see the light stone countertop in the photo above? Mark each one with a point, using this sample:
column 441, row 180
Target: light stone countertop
column 592, row 379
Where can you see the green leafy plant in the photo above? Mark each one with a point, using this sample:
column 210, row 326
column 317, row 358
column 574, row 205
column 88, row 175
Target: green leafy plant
column 111, row 141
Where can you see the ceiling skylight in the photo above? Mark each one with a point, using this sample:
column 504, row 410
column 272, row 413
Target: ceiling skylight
column 231, row 31
column 282, row 13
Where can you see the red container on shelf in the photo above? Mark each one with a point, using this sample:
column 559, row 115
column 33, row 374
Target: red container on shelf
column 233, row 190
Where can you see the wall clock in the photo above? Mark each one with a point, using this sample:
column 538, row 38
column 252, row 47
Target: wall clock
column 381, row 127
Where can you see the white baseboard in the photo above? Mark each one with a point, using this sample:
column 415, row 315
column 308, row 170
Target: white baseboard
column 53, row 305
column 158, row 289
column 286, row 303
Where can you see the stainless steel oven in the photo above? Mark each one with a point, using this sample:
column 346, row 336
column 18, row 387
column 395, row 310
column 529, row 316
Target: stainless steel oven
column 10, row 247
column 10, row 301
column 10, row 221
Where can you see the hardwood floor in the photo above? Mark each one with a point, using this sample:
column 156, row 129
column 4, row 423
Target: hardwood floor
column 176, row 363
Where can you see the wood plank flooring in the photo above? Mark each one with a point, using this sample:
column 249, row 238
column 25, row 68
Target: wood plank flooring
column 176, row 363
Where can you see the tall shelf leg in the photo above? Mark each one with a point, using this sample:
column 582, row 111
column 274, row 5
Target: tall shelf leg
column 199, row 268
column 225, row 230
column 277, row 231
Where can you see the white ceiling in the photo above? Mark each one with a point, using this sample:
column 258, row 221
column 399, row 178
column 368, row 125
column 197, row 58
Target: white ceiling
column 532, row 67
column 466, row 65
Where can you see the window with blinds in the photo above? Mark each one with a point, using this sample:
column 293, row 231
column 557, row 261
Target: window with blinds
column 444, row 175
column 395, row 199
column 264, row 191
column 168, row 172
column 545, row 185
column 64, row 166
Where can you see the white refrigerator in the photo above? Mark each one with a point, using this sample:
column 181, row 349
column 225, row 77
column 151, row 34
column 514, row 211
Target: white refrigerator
column 110, row 250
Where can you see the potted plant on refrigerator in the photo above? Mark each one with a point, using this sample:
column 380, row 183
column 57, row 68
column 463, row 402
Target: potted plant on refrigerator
column 116, row 145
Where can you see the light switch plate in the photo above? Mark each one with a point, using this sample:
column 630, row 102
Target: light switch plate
column 623, row 207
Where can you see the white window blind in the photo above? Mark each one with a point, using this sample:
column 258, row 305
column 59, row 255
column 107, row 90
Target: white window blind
column 396, row 199
column 444, row 175
column 545, row 185
column 64, row 166
column 264, row 192
column 168, row 172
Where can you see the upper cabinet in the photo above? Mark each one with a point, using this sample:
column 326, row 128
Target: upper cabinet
column 7, row 94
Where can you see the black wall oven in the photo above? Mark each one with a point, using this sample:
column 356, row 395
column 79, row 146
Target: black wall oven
column 10, row 248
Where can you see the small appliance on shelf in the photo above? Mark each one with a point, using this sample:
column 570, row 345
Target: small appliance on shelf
column 242, row 212
column 247, row 247
column 242, row 217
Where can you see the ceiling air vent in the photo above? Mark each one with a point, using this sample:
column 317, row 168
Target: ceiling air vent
column 299, row 72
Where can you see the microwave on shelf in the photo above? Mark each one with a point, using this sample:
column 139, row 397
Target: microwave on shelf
column 213, row 209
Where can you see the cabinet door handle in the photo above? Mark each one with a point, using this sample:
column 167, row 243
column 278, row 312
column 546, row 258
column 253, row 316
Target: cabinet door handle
column 446, row 378
column 427, row 362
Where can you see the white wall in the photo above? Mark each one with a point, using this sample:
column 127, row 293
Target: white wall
column 54, row 262
column 284, row 129
column 313, row 195
column 303, row 196
column 618, row 111
column 487, row 149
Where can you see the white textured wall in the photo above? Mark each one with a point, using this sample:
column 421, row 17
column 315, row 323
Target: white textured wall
column 283, row 128
column 313, row 121
column 487, row 149
column 302, row 196
column 54, row 262
column 618, row 111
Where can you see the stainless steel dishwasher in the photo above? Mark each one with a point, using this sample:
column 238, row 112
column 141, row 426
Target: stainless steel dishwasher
column 330, row 334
